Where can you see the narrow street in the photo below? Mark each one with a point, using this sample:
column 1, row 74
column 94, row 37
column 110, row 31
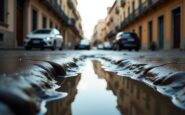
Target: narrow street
column 93, row 82
column 92, row 57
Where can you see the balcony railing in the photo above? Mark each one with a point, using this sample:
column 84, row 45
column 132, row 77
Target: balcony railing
column 60, row 12
column 57, row 9
column 72, row 22
column 144, row 8
column 72, row 6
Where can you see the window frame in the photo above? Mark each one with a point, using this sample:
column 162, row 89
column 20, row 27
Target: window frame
column 37, row 20
column 5, row 16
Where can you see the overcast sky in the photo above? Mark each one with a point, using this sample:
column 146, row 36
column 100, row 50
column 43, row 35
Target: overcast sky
column 91, row 11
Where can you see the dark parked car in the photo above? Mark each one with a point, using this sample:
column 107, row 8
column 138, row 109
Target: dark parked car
column 127, row 40
column 83, row 45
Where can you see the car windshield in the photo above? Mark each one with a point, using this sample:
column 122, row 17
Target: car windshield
column 42, row 32
column 126, row 35
column 84, row 42
column 107, row 43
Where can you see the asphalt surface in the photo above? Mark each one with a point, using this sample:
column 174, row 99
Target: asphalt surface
column 14, row 61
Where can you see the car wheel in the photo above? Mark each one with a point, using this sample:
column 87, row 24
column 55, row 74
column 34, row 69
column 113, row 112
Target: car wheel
column 137, row 49
column 129, row 49
column 28, row 48
column 61, row 48
column 54, row 46
column 118, row 48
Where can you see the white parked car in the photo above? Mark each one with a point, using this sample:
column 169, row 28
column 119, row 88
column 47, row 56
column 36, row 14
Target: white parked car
column 100, row 46
column 107, row 46
column 44, row 38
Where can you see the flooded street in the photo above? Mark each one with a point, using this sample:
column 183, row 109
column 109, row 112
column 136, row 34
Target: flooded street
column 93, row 98
column 92, row 83
column 96, row 92
column 90, row 97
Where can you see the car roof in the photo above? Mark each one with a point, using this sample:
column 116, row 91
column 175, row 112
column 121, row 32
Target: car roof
column 47, row 29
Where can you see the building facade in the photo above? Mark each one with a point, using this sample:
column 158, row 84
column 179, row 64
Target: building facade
column 20, row 17
column 155, row 21
column 99, row 33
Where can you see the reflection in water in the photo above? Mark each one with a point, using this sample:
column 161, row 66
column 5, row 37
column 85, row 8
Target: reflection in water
column 135, row 98
column 63, row 106
column 93, row 98
column 97, row 92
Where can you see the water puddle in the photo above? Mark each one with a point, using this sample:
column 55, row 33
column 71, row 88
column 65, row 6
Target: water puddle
column 96, row 92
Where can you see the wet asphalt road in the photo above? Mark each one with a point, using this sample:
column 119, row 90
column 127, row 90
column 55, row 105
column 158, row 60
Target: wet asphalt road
column 14, row 61
column 95, row 89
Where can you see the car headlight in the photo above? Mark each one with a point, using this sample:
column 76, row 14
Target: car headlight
column 48, row 38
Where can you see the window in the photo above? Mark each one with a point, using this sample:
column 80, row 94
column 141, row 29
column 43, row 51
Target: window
column 133, row 6
column 44, row 22
column 34, row 19
column 150, row 33
column 161, row 32
column 133, row 9
column 2, row 10
column 140, row 33
column 56, row 26
column 140, row 6
column 51, row 24
column 1, row 37
column 129, row 13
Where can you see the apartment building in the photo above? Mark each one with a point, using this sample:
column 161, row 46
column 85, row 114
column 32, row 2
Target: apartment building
column 155, row 21
column 113, row 20
column 73, row 32
column 99, row 33
column 19, row 17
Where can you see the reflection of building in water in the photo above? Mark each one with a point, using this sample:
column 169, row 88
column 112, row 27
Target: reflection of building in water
column 136, row 98
column 98, row 69
column 63, row 106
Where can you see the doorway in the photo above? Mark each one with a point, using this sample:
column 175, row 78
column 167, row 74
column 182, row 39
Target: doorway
column 150, row 33
column 176, row 23
column 140, row 34
column 19, row 22
column 161, row 32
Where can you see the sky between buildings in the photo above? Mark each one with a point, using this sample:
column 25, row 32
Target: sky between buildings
column 91, row 11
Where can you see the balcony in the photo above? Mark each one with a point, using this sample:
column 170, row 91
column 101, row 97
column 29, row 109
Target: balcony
column 122, row 3
column 117, row 10
column 142, row 10
column 111, row 34
column 60, row 12
column 71, row 22
column 71, row 5
column 57, row 9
